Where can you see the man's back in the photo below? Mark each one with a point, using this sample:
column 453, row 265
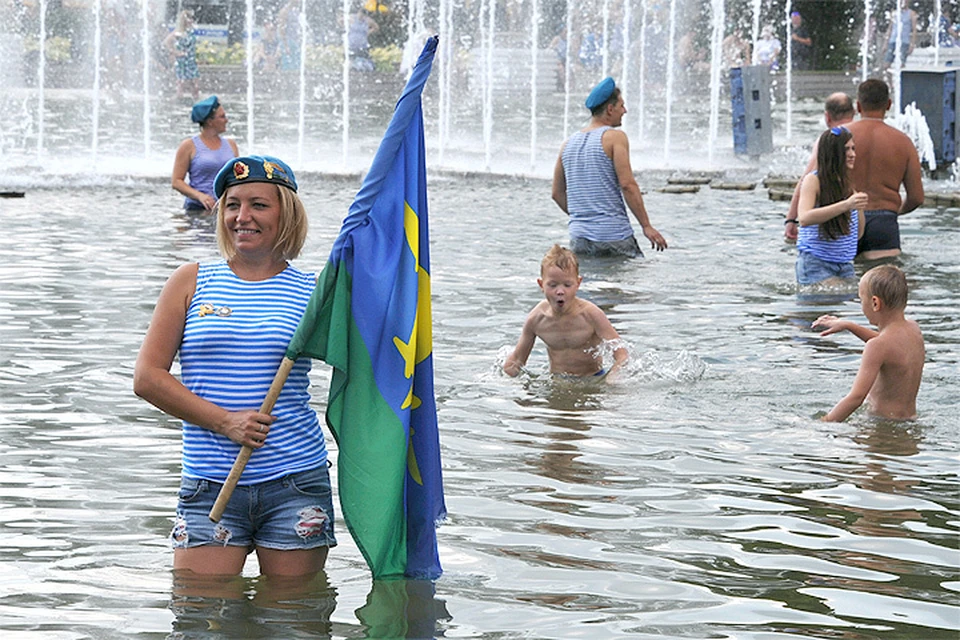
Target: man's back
column 886, row 159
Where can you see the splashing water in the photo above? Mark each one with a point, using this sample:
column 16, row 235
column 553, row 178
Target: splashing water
column 652, row 365
column 912, row 123
column 684, row 366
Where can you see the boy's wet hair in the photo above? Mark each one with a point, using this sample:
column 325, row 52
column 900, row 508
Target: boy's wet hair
column 888, row 283
column 561, row 258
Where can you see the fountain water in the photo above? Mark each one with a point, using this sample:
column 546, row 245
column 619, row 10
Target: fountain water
column 482, row 109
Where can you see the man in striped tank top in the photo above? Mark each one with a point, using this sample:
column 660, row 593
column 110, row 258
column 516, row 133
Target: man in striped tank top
column 594, row 184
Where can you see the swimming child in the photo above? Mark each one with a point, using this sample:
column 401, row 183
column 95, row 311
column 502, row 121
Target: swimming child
column 830, row 213
column 892, row 363
column 572, row 328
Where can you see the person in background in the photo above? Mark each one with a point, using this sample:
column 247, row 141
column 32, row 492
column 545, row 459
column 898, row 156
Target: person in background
column 892, row 364
column 690, row 55
column 361, row 27
column 886, row 160
column 801, row 44
column 559, row 47
column 592, row 179
column 201, row 156
column 288, row 20
column 767, row 52
column 837, row 111
column 181, row 45
column 947, row 35
column 736, row 49
column 266, row 58
column 831, row 213
column 229, row 321
column 904, row 27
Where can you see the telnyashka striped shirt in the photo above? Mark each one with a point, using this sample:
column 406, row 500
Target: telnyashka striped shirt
column 594, row 199
column 235, row 336
column 843, row 249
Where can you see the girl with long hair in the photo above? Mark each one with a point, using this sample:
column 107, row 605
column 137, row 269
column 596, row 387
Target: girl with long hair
column 830, row 213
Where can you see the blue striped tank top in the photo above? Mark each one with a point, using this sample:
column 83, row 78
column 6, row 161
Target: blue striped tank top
column 843, row 249
column 205, row 166
column 594, row 200
column 235, row 336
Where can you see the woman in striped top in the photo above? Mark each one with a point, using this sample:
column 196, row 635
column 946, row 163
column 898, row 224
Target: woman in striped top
column 830, row 213
column 230, row 322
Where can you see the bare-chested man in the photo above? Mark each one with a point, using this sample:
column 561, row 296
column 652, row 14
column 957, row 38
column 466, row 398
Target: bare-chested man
column 886, row 159
column 892, row 363
column 573, row 329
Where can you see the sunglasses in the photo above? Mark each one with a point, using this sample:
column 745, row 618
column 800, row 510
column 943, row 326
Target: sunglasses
column 838, row 130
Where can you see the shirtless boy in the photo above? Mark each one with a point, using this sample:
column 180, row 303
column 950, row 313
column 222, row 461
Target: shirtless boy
column 571, row 328
column 892, row 363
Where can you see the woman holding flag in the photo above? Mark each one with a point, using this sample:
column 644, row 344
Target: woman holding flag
column 230, row 321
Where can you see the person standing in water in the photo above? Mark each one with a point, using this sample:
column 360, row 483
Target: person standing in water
column 573, row 329
column 229, row 322
column 837, row 111
column 593, row 178
column 892, row 363
column 203, row 155
column 886, row 160
column 830, row 213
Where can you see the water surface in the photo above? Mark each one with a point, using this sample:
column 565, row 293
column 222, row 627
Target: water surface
column 698, row 497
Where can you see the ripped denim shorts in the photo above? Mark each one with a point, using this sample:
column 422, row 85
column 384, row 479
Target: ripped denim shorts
column 292, row 512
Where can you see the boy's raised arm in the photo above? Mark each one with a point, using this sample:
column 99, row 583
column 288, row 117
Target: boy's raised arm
column 833, row 324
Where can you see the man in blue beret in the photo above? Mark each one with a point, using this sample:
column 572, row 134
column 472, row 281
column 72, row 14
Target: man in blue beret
column 594, row 184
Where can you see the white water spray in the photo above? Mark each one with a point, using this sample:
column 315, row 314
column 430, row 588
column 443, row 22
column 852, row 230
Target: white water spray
column 669, row 93
column 788, row 28
column 145, row 15
column 41, row 77
column 534, row 49
column 97, row 46
column 249, row 51
column 716, row 69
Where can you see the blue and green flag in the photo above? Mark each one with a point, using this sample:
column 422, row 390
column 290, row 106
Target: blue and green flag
column 370, row 319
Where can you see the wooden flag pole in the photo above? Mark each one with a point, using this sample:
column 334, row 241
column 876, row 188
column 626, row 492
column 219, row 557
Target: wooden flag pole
column 245, row 452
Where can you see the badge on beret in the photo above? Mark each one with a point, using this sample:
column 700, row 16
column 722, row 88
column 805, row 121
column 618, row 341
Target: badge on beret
column 269, row 168
column 240, row 171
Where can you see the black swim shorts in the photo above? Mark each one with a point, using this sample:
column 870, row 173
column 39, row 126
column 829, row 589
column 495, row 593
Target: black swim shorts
column 881, row 231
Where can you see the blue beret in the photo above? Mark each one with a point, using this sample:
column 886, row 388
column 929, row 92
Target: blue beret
column 202, row 110
column 254, row 169
column 601, row 93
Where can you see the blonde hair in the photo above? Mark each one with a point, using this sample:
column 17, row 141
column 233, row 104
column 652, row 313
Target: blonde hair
column 291, row 232
column 888, row 283
column 561, row 258
column 185, row 15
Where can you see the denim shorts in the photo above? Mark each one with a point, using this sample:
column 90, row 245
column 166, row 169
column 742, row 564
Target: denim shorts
column 292, row 512
column 811, row 269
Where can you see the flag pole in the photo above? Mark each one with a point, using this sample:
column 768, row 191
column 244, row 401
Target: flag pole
column 245, row 452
